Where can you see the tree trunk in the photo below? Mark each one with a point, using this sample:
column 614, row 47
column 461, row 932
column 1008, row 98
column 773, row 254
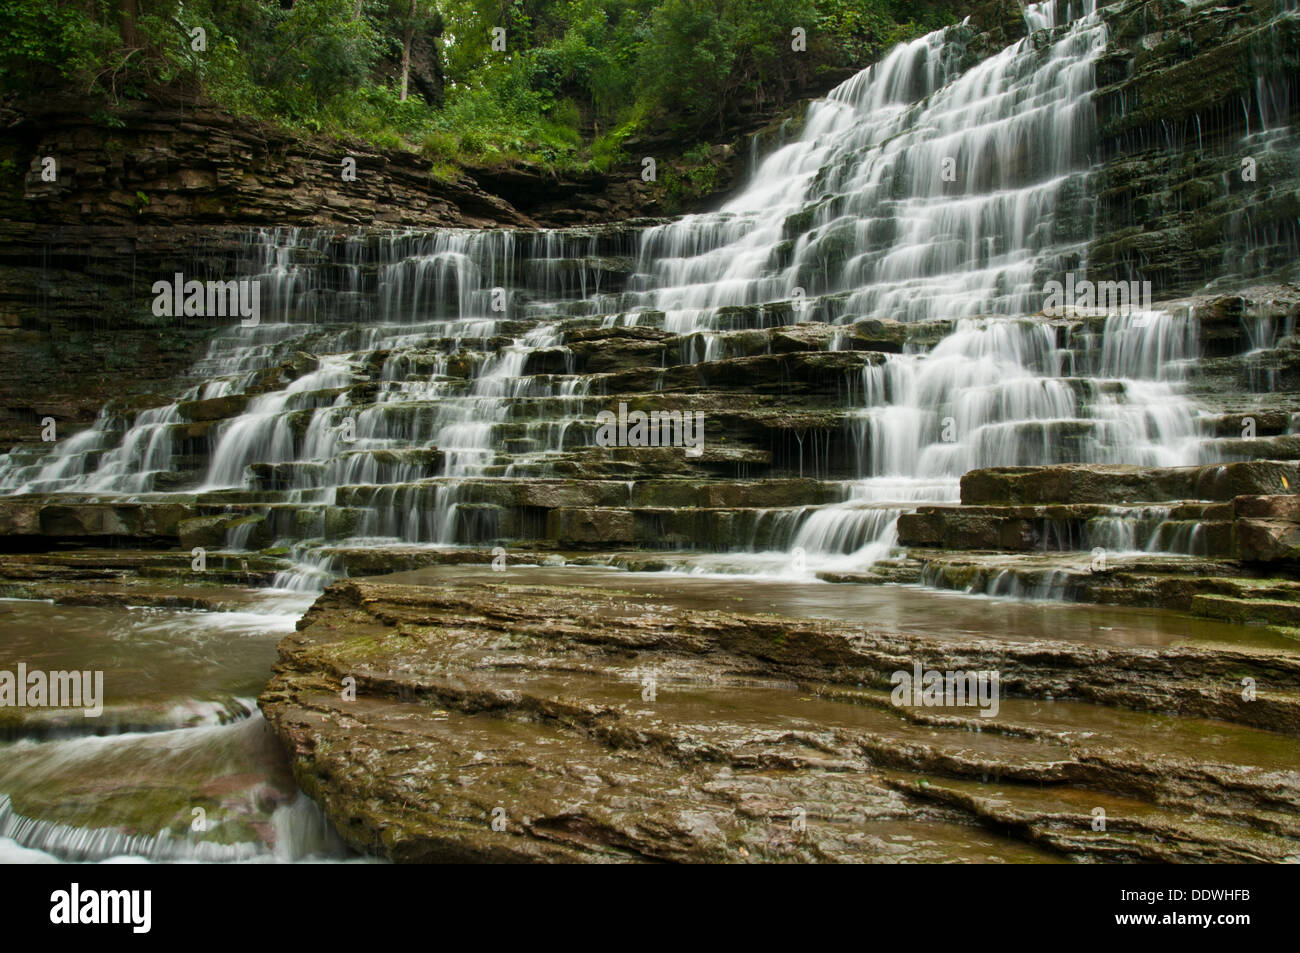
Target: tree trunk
column 407, row 36
column 130, row 35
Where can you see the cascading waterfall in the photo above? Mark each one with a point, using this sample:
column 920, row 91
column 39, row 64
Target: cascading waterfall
column 921, row 190
column 918, row 191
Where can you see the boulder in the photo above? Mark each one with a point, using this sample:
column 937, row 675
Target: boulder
column 588, row 527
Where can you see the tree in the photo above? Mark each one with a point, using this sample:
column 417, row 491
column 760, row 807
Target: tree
column 408, row 34
column 130, row 16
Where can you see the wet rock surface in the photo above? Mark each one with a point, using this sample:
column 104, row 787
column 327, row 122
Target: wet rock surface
column 1107, row 483
column 393, row 419
column 591, row 725
column 1188, row 96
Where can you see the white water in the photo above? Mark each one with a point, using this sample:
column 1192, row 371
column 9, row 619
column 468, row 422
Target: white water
column 866, row 191
column 180, row 730
column 299, row 831
column 915, row 192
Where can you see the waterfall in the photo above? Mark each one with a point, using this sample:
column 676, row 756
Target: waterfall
column 920, row 191
column 395, row 369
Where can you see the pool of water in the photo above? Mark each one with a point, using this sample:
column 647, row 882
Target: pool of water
column 179, row 765
column 891, row 608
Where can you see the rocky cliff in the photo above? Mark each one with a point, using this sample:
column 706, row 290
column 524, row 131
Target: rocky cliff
column 166, row 188
column 585, row 651
column 1197, row 109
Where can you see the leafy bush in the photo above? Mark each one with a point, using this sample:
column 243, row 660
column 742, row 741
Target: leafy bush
column 576, row 80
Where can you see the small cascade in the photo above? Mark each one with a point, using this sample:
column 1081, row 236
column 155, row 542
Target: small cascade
column 297, row 829
column 311, row 570
column 865, row 534
column 264, row 432
column 1053, row 586
column 117, row 455
column 996, row 392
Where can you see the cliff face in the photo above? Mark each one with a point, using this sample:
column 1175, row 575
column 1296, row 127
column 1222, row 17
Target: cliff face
column 168, row 191
column 171, row 188
column 180, row 164
column 1201, row 175
column 1189, row 96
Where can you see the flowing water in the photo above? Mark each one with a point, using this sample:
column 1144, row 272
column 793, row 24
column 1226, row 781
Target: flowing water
column 179, row 766
column 916, row 191
column 413, row 365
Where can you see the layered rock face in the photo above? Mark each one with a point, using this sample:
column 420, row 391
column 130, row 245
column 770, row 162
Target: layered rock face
column 814, row 435
column 1196, row 108
column 172, row 190
column 175, row 186
column 442, row 719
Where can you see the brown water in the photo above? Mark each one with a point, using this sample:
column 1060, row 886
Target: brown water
column 890, row 608
column 180, row 764
column 180, row 740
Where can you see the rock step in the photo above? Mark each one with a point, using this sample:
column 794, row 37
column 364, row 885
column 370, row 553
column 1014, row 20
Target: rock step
column 40, row 522
column 582, row 758
column 550, row 494
column 1192, row 528
column 1195, row 585
column 651, row 513
column 1251, row 528
column 1266, row 611
column 1112, row 483
column 1267, row 423
column 1135, row 831
column 1279, row 447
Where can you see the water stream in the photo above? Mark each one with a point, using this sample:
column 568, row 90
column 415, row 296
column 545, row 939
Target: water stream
column 180, row 733
column 915, row 191
column 391, row 371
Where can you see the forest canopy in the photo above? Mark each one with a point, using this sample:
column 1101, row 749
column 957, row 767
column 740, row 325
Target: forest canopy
column 565, row 84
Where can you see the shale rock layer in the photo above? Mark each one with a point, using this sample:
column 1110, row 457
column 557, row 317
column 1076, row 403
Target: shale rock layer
column 496, row 722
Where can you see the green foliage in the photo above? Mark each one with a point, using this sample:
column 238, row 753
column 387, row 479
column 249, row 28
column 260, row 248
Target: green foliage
column 687, row 57
column 865, row 30
column 318, row 53
column 607, row 149
column 40, row 41
column 576, row 80
column 696, row 178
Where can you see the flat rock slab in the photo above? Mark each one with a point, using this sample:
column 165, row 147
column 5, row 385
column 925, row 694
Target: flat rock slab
column 505, row 722
column 1116, row 483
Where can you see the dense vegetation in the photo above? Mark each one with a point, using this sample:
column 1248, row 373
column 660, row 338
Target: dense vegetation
column 574, row 80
